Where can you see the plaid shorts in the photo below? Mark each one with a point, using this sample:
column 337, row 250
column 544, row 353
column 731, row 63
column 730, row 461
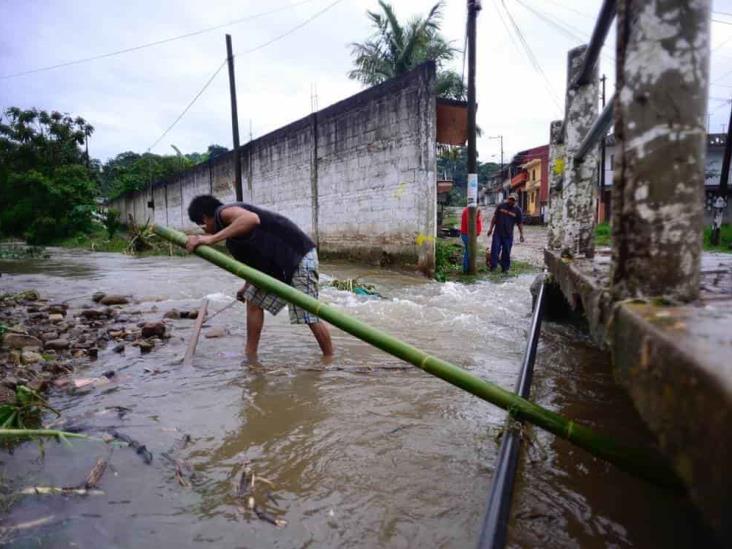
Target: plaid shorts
column 304, row 279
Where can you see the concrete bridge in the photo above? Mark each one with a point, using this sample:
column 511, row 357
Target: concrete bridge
column 660, row 305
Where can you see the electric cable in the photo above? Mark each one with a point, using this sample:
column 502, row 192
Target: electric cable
column 221, row 66
column 532, row 58
column 151, row 44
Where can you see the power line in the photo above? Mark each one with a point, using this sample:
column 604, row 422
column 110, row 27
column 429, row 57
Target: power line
column 216, row 72
column 151, row 44
column 566, row 29
column 531, row 56
column 293, row 29
column 182, row 114
column 721, row 21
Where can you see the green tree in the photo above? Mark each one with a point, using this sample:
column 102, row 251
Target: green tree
column 396, row 48
column 129, row 171
column 216, row 150
column 46, row 189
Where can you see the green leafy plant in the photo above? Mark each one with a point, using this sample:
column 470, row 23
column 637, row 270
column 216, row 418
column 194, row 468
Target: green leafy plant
column 25, row 411
column 110, row 219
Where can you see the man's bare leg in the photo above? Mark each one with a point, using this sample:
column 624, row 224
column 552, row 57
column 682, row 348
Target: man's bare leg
column 255, row 321
column 322, row 336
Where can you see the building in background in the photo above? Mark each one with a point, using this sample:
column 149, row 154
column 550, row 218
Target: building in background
column 712, row 175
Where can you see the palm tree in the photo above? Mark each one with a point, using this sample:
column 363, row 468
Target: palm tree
column 395, row 49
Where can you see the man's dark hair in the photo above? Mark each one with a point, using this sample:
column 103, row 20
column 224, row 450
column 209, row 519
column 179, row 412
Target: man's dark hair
column 203, row 204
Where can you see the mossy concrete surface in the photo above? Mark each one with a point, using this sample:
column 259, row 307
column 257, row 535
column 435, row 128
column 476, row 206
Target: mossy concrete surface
column 674, row 361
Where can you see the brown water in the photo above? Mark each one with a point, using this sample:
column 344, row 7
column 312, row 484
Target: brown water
column 363, row 454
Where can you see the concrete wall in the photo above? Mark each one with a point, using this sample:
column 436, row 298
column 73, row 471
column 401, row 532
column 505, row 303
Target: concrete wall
column 358, row 176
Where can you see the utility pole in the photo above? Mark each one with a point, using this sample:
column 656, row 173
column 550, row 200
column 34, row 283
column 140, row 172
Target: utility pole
column 473, row 8
column 602, row 163
column 500, row 173
column 720, row 204
column 234, row 121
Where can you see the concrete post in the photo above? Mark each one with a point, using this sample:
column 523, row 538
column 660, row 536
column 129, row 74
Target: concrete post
column 555, row 233
column 660, row 107
column 579, row 183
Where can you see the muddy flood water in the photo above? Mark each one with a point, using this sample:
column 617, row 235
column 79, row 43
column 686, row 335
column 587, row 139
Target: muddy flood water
column 366, row 452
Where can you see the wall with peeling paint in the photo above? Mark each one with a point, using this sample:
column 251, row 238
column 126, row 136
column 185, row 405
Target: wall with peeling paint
column 358, row 176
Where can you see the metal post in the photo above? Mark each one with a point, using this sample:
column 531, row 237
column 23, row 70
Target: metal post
column 721, row 201
column 601, row 205
column 234, row 121
column 659, row 126
column 579, row 187
column 473, row 7
column 555, row 232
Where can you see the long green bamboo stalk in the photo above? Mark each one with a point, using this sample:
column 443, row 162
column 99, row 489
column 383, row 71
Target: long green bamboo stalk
column 643, row 462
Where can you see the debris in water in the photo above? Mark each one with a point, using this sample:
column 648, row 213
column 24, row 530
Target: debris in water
column 141, row 449
column 218, row 331
column 245, row 491
column 96, row 473
column 356, row 287
column 55, row 491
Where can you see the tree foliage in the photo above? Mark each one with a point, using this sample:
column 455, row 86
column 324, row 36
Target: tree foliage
column 452, row 164
column 396, row 48
column 130, row 171
column 47, row 186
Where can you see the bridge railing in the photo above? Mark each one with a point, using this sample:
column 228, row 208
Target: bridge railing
column 658, row 116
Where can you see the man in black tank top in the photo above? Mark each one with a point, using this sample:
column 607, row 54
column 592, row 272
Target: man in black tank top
column 268, row 242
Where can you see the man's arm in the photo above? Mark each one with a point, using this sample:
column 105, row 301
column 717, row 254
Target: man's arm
column 493, row 223
column 237, row 222
column 520, row 224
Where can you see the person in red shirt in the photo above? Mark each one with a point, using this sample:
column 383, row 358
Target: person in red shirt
column 465, row 236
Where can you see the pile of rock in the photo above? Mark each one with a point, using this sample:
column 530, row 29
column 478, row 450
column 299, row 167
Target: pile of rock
column 42, row 340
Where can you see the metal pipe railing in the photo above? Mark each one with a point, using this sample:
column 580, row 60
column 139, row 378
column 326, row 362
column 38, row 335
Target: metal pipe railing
column 599, row 33
column 495, row 522
column 597, row 132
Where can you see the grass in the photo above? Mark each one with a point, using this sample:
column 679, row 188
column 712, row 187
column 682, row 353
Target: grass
column 449, row 266
column 603, row 235
column 725, row 239
column 99, row 241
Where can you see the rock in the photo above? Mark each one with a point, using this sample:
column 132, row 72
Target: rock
column 56, row 317
column 145, row 345
column 98, row 296
column 58, row 344
column 218, row 331
column 119, row 348
column 173, row 313
column 14, row 357
column 10, row 382
column 92, row 352
column 116, row 334
column 13, row 340
column 61, row 382
column 30, row 357
column 152, row 329
column 28, row 295
column 114, row 300
column 37, row 317
column 57, row 308
column 48, row 336
column 91, row 314
column 33, row 309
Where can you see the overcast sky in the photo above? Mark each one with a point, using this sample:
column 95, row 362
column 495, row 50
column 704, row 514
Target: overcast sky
column 132, row 98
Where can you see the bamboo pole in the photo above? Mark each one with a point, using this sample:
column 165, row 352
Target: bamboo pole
column 643, row 462
column 188, row 358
